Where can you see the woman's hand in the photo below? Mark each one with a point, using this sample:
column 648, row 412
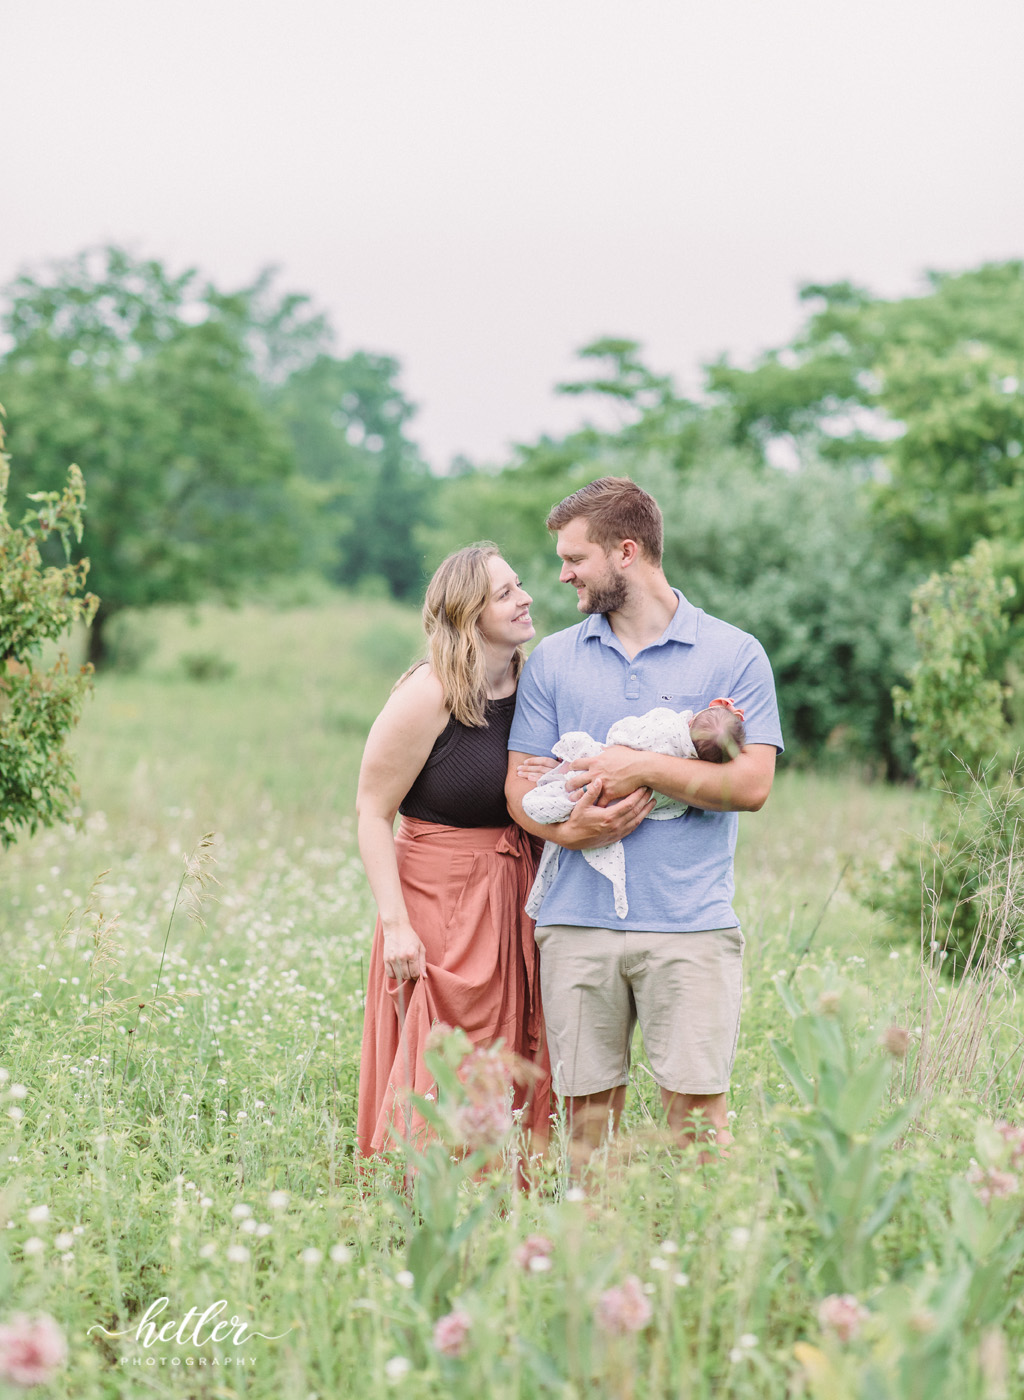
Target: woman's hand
column 405, row 957
column 536, row 767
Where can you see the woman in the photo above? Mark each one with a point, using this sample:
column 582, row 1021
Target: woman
column 452, row 943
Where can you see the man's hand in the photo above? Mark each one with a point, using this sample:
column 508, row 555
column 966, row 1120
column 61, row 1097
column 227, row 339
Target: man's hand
column 742, row 785
column 617, row 768
column 592, row 825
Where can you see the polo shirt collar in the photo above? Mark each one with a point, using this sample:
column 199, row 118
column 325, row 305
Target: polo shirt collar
column 682, row 628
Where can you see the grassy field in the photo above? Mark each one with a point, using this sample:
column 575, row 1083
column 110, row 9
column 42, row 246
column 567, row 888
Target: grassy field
column 179, row 1096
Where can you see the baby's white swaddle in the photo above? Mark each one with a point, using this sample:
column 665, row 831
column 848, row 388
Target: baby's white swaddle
column 660, row 731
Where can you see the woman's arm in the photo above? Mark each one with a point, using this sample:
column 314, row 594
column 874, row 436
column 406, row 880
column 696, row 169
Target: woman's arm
column 397, row 747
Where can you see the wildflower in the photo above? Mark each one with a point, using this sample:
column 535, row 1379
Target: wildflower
column 625, row 1308
column 397, row 1367
column 484, row 1124
column 680, row 1280
column 263, row 1230
column 312, row 1255
column 240, row 1211
column 485, row 1119
column 540, row 1265
column 1013, row 1136
column 668, row 1247
column 277, row 1200
column 36, row 1215
column 660, row 1264
column 64, row 1240
column 534, row 1247
column 575, row 1194
column 18, row 1091
column 33, row 1245
column 405, row 1279
column 896, row 1042
column 436, row 1036
column 451, row 1333
column 207, row 1251
column 340, row 1253
column 31, row 1349
column 237, row 1254
column 842, row 1315
column 991, row 1184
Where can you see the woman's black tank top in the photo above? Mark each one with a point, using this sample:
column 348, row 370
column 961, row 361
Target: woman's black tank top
column 462, row 783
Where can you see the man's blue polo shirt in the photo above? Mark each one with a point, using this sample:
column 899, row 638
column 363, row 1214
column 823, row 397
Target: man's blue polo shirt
column 678, row 873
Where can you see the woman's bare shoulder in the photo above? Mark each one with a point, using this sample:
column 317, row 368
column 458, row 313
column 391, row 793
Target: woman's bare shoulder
column 422, row 685
column 417, row 701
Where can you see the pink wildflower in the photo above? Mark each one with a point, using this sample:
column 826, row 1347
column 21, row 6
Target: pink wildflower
column 1013, row 1136
column 992, row 1184
column 624, row 1309
column 436, row 1036
column 485, row 1119
column 842, row 1315
column 483, row 1124
column 533, row 1247
column 31, row 1349
column 451, row 1333
column 896, row 1042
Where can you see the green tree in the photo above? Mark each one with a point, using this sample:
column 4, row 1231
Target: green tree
column 38, row 705
column 953, row 703
column 922, row 394
column 964, row 884
column 149, row 382
column 347, row 419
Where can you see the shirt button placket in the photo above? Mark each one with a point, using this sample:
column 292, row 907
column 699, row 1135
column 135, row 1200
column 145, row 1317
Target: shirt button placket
column 633, row 682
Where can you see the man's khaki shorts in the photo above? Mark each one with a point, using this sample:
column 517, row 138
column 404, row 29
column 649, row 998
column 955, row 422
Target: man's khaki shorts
column 685, row 990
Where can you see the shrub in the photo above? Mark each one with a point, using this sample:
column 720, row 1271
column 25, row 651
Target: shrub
column 38, row 707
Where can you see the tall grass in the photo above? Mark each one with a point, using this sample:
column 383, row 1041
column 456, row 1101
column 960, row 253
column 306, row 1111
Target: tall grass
column 179, row 1096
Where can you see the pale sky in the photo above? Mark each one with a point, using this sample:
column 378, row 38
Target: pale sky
column 479, row 188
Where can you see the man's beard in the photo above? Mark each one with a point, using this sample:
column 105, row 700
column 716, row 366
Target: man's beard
column 607, row 595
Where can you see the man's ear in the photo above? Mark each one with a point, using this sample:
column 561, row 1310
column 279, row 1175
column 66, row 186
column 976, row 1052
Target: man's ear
column 630, row 552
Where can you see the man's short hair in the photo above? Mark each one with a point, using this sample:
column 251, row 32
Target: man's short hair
column 615, row 509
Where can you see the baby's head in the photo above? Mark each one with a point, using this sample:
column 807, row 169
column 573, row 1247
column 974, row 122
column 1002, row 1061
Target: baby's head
column 718, row 733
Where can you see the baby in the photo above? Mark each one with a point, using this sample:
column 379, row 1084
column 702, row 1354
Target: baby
column 715, row 735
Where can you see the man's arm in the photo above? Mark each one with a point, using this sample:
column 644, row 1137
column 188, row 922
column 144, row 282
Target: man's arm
column 741, row 785
column 588, row 825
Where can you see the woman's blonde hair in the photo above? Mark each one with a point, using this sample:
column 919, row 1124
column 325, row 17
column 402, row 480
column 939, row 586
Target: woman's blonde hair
column 456, row 596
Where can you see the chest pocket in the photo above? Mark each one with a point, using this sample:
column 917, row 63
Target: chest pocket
column 677, row 701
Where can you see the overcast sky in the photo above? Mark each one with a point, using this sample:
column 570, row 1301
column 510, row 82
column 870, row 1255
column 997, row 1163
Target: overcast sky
column 479, row 188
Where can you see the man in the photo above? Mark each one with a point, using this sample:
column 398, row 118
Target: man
column 674, row 961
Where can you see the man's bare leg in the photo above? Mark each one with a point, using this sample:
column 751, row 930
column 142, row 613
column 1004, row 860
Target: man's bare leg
column 588, row 1122
column 698, row 1117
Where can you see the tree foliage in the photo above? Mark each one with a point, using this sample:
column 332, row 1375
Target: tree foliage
column 148, row 382
column 38, row 705
column 952, row 701
column 922, row 394
column 346, row 419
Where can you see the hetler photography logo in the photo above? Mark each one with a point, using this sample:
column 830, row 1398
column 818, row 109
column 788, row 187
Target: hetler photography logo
column 196, row 1329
